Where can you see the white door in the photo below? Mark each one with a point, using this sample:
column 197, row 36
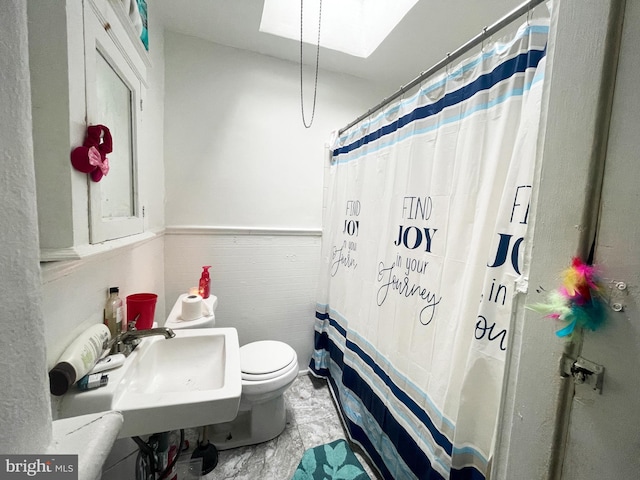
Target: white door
column 603, row 440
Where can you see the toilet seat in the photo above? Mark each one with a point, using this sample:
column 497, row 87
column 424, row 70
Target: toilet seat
column 266, row 359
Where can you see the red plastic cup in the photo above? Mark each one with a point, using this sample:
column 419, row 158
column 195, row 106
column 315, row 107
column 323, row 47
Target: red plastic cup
column 143, row 304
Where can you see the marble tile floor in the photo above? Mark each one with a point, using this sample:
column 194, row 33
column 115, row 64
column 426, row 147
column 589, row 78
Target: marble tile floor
column 312, row 419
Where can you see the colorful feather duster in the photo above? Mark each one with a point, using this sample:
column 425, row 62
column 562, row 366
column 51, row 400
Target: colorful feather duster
column 578, row 302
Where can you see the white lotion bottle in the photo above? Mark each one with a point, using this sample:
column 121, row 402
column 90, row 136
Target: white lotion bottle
column 79, row 358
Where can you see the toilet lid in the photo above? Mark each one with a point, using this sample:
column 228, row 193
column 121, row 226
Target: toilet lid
column 264, row 357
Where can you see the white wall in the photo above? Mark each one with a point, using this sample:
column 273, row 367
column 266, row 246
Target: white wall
column 74, row 293
column 244, row 182
column 237, row 153
column 25, row 418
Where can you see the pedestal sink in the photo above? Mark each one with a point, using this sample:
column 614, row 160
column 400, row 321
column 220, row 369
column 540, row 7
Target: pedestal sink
column 187, row 381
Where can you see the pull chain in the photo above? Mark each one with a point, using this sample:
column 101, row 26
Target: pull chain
column 315, row 87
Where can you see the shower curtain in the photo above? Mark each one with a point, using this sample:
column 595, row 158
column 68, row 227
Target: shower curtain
column 426, row 212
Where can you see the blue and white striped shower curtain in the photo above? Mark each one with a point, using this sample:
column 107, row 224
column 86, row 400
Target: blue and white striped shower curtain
column 426, row 213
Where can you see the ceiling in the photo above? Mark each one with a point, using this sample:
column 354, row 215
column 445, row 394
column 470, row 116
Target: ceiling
column 422, row 38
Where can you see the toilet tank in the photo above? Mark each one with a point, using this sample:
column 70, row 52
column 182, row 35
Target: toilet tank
column 175, row 321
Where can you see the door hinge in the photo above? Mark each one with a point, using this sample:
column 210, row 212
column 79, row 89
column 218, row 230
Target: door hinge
column 583, row 371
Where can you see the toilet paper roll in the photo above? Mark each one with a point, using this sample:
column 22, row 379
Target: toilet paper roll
column 191, row 307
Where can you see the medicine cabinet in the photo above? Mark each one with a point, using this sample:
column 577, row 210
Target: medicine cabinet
column 88, row 67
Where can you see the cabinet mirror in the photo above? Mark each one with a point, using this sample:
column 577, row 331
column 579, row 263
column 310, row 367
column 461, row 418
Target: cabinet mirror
column 113, row 94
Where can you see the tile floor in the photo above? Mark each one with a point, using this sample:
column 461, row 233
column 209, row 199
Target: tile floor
column 312, row 419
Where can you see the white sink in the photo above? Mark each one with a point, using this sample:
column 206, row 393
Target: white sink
column 187, row 381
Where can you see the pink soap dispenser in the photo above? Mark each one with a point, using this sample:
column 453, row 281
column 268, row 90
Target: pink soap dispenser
column 204, row 288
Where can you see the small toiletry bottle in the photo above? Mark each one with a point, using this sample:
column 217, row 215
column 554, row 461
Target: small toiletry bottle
column 204, row 282
column 113, row 312
column 92, row 380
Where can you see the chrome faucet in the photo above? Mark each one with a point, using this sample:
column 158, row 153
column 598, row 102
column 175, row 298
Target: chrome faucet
column 130, row 335
column 126, row 342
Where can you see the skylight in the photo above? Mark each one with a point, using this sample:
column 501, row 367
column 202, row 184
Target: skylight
column 354, row 27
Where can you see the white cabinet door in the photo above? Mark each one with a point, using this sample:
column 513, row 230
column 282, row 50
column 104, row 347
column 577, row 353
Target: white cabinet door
column 113, row 92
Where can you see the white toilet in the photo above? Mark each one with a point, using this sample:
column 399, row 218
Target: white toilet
column 268, row 368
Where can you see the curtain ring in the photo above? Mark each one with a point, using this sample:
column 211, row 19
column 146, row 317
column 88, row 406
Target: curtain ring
column 529, row 15
column 369, row 121
column 419, row 91
column 402, row 92
column 484, row 37
column 448, row 67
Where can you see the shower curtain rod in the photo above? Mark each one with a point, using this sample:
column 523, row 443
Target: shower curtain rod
column 478, row 39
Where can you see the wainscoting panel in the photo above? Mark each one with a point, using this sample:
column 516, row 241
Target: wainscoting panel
column 265, row 279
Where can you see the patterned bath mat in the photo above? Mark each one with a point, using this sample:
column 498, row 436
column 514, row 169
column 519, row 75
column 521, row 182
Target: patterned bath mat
column 331, row 461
